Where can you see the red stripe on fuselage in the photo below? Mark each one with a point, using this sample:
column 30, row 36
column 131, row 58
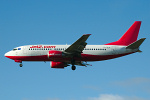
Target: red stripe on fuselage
column 84, row 57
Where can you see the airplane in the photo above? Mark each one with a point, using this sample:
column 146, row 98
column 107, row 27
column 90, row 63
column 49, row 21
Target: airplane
column 79, row 53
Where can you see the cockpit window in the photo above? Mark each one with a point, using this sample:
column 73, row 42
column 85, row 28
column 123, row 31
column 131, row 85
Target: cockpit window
column 19, row 48
column 15, row 49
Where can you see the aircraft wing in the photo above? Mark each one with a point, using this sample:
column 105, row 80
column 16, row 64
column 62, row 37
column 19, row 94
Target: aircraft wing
column 78, row 46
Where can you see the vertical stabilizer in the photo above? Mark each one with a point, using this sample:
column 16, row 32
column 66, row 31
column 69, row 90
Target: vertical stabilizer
column 130, row 36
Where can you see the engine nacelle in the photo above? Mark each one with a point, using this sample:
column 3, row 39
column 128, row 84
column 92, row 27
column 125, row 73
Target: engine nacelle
column 57, row 64
column 53, row 54
column 18, row 61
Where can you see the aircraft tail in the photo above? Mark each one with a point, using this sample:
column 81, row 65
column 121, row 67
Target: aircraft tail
column 130, row 36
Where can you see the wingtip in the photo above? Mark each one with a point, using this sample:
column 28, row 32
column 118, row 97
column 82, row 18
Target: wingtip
column 86, row 34
column 139, row 51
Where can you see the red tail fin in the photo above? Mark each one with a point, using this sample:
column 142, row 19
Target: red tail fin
column 130, row 36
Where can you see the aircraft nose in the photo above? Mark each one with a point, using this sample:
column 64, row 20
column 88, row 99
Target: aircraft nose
column 9, row 55
column 6, row 54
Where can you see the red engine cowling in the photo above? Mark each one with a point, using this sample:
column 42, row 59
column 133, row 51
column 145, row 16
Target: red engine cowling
column 57, row 64
column 54, row 55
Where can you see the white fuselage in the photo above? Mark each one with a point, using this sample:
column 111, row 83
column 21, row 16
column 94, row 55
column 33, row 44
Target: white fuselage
column 42, row 50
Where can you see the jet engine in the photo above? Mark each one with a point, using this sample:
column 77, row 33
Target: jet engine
column 57, row 64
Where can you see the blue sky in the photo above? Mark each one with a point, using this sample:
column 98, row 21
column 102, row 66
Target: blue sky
column 24, row 22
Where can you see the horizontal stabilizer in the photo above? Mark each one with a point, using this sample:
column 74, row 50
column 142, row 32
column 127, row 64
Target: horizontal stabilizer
column 135, row 44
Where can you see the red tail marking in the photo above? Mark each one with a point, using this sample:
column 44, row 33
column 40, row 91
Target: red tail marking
column 130, row 36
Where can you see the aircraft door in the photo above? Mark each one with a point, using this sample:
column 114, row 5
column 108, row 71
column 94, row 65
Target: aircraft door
column 16, row 53
column 24, row 50
column 114, row 50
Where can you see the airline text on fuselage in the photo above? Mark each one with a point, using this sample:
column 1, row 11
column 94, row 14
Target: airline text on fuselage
column 40, row 46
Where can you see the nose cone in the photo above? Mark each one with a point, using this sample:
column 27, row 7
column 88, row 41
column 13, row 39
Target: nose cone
column 7, row 54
